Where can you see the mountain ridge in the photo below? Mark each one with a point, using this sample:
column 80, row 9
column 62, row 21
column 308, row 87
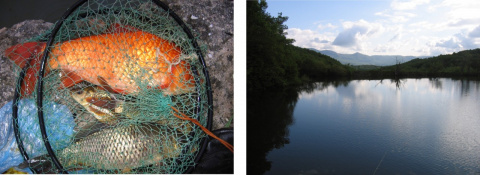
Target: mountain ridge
column 362, row 59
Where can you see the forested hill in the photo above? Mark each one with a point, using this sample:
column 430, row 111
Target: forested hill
column 272, row 60
column 463, row 63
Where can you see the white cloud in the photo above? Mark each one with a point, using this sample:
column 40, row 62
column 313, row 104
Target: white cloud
column 459, row 4
column 329, row 25
column 461, row 41
column 355, row 32
column 397, row 36
column 386, row 48
column 423, row 26
column 407, row 4
column 464, row 22
column 459, row 11
column 453, row 43
column 349, row 37
column 318, row 40
column 396, row 16
column 309, row 38
column 475, row 33
column 413, row 27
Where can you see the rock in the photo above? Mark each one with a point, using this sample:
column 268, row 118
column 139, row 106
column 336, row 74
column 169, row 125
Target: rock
column 18, row 33
column 211, row 21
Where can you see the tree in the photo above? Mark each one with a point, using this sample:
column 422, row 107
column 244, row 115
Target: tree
column 268, row 62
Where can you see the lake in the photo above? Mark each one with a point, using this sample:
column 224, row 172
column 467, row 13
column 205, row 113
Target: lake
column 403, row 126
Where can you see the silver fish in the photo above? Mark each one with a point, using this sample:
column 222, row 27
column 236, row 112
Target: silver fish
column 122, row 148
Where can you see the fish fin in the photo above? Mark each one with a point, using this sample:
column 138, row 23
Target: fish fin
column 23, row 53
column 40, row 164
column 104, row 85
column 126, row 170
column 89, row 128
column 69, row 79
column 182, row 79
column 163, row 86
column 27, row 54
column 103, row 102
column 30, row 79
column 119, row 28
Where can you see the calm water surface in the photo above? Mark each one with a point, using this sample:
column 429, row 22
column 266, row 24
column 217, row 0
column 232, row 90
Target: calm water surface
column 408, row 126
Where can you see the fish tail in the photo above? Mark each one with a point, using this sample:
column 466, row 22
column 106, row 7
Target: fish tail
column 40, row 164
column 27, row 54
column 30, row 79
column 69, row 78
column 23, row 53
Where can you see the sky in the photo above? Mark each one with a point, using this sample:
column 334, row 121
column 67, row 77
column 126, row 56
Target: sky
column 382, row 27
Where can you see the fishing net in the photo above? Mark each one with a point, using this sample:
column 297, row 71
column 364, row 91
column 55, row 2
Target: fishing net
column 131, row 83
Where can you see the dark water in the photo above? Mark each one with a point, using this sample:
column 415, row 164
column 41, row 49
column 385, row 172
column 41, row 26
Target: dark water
column 408, row 126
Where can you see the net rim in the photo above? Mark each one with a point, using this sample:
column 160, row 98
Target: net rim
column 39, row 87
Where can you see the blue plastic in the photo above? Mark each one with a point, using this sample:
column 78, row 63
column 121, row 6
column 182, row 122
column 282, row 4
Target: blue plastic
column 59, row 123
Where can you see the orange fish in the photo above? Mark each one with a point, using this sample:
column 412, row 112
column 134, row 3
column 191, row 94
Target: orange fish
column 114, row 61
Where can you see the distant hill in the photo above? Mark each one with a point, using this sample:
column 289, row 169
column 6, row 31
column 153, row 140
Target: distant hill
column 462, row 63
column 361, row 59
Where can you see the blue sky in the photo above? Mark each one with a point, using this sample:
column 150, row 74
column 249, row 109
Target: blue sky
column 382, row 27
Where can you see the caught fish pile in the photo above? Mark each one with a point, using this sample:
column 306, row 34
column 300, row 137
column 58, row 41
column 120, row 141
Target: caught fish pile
column 133, row 78
column 97, row 70
column 114, row 63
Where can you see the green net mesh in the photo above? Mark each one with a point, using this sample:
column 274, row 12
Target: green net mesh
column 119, row 67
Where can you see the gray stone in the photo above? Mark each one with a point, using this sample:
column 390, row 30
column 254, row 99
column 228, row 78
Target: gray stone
column 213, row 21
column 18, row 33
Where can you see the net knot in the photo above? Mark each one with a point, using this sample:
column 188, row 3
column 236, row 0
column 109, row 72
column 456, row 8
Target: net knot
column 170, row 64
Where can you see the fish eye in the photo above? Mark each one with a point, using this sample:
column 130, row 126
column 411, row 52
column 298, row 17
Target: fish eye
column 79, row 92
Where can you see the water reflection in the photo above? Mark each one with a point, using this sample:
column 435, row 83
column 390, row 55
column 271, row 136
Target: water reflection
column 269, row 115
column 466, row 84
column 423, row 126
column 310, row 87
column 397, row 81
column 436, row 83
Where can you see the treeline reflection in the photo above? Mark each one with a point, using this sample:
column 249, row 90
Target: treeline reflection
column 270, row 113
column 268, row 116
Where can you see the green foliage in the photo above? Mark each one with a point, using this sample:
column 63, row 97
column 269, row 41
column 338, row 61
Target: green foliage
column 463, row 63
column 365, row 67
column 267, row 61
column 272, row 60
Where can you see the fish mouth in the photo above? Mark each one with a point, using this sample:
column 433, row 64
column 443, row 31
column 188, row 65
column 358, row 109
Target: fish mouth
column 101, row 114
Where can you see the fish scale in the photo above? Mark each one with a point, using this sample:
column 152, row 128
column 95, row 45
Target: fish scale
column 119, row 49
column 121, row 147
column 118, row 60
